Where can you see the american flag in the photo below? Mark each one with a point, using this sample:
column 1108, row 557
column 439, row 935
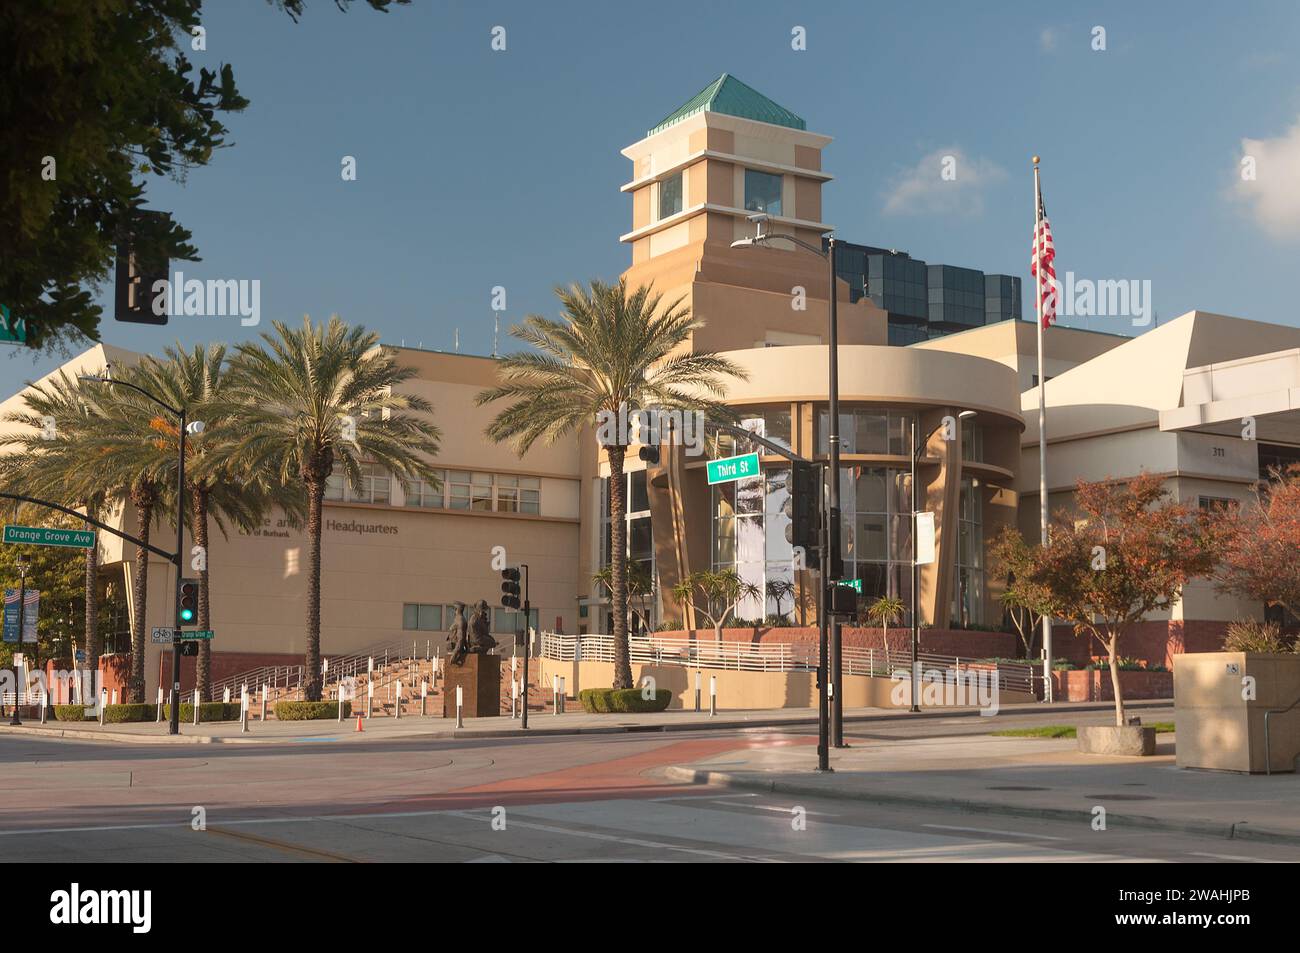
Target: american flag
column 1044, row 254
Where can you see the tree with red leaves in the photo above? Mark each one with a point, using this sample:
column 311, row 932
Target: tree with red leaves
column 1259, row 544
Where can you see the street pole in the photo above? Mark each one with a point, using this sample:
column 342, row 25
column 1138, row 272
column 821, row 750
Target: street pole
column 916, row 574
column 823, row 591
column 18, row 647
column 528, row 640
column 174, row 726
column 833, row 528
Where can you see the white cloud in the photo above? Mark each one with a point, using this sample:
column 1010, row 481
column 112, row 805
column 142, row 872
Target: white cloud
column 1047, row 39
column 1273, row 194
column 946, row 181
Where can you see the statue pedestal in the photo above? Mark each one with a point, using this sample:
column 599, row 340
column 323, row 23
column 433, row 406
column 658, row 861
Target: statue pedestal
column 480, row 682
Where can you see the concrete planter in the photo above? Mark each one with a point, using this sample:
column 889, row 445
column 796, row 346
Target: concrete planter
column 1130, row 740
column 1222, row 702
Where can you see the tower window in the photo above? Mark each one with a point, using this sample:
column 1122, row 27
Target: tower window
column 762, row 192
column 670, row 196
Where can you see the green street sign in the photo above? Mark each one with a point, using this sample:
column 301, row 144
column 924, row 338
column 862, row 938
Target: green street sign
column 854, row 584
column 199, row 635
column 44, row 536
column 733, row 468
column 13, row 330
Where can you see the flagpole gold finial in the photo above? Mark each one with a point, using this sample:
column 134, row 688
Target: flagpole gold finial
column 1035, row 160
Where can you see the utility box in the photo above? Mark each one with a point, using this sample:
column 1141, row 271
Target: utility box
column 1222, row 701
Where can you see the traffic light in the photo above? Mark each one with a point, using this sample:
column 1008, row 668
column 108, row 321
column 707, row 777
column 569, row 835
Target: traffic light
column 189, row 648
column 649, row 455
column 187, row 603
column 510, row 587
column 805, row 493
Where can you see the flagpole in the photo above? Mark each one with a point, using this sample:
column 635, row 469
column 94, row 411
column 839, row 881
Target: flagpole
column 1042, row 422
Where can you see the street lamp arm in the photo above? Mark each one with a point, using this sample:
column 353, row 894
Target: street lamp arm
column 798, row 241
column 763, row 442
column 170, row 557
column 139, row 390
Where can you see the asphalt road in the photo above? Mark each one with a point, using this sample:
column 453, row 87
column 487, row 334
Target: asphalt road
column 550, row 799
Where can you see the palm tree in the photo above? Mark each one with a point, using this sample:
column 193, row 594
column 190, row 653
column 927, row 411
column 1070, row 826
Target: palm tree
column 640, row 585
column 196, row 380
column 612, row 351
column 884, row 610
column 309, row 399
column 50, row 461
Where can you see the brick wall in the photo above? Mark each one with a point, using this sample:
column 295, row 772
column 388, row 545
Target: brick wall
column 1095, row 686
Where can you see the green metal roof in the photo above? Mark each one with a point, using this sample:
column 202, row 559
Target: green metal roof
column 726, row 94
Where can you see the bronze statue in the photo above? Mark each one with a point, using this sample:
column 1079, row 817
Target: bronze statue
column 472, row 637
column 458, row 637
column 480, row 625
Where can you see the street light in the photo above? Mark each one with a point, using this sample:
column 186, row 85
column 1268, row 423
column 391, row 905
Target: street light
column 917, row 447
column 187, row 426
column 831, row 552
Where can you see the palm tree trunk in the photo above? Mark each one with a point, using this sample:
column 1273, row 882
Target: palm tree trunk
column 618, row 566
column 203, row 664
column 144, row 513
column 311, row 661
column 92, row 644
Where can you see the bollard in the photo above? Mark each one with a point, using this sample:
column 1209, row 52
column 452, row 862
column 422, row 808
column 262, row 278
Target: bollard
column 460, row 701
column 514, row 694
column 198, row 697
column 555, row 694
column 243, row 710
column 697, row 689
column 225, row 696
column 45, row 704
column 397, row 711
column 564, row 695
column 115, row 696
column 424, row 698
column 370, row 698
column 713, row 695
column 160, row 698
column 266, row 690
column 426, row 649
column 103, row 704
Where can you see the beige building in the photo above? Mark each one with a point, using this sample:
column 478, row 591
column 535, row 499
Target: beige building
column 1171, row 400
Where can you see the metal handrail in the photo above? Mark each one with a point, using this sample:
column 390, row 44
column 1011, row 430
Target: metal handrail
column 1268, row 753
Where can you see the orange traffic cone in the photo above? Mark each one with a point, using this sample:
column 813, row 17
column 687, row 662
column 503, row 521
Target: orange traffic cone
column 359, row 728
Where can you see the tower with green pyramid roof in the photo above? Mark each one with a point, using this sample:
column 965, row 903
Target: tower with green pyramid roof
column 725, row 154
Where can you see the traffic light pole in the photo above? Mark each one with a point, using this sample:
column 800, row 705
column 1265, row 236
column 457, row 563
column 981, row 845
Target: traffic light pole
column 174, row 724
column 18, row 648
column 528, row 642
column 823, row 625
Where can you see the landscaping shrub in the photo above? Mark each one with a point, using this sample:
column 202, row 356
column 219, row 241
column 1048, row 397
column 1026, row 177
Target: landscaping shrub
column 595, row 701
column 309, row 711
column 69, row 712
column 208, row 711
column 605, row 701
column 119, row 714
column 1251, row 636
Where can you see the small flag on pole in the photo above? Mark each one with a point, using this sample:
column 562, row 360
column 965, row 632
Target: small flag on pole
column 1044, row 256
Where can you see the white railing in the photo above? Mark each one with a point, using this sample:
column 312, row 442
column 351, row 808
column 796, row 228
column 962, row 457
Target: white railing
column 777, row 657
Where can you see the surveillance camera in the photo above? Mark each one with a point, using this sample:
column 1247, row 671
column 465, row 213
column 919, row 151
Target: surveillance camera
column 757, row 217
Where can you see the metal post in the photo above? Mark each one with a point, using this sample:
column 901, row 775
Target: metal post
column 22, row 599
column 103, row 704
column 174, row 727
column 45, row 704
column 460, row 710
column 158, row 719
column 265, row 691
column 424, row 698
column 397, row 710
column 555, row 694
column 823, row 699
column 528, row 645
column 697, row 689
column 1042, row 424
column 833, row 538
column 243, row 710
column 713, row 695
column 370, row 698
column 198, row 699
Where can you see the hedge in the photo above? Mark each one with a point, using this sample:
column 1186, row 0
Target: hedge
column 307, row 711
column 623, row 700
column 70, row 712
column 208, row 711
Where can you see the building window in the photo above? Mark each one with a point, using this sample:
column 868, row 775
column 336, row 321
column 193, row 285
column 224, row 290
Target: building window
column 762, row 192
column 868, row 431
column 518, row 494
column 670, row 196
column 469, row 491
column 421, row 492
column 972, row 441
column 508, row 620
column 1216, row 504
column 421, row 617
column 376, row 486
column 968, row 593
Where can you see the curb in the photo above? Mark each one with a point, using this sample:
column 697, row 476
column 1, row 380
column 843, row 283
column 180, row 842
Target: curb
column 1239, row 830
column 92, row 734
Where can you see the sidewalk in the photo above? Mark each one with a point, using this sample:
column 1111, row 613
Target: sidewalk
column 1022, row 777
column 435, row 727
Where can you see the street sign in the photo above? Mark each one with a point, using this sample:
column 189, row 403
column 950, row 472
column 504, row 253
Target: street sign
column 31, row 614
column 12, row 330
column 161, row 636
column 854, row 584
column 733, row 468
column 199, row 635
column 924, row 539
column 45, row 536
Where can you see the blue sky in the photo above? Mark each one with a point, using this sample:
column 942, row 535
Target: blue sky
column 478, row 168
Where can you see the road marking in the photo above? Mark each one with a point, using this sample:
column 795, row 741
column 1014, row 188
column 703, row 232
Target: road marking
column 781, row 810
column 286, row 847
column 989, row 830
